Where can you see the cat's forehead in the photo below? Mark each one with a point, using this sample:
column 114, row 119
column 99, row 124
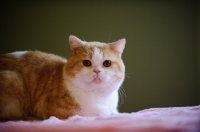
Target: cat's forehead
column 96, row 49
column 95, row 44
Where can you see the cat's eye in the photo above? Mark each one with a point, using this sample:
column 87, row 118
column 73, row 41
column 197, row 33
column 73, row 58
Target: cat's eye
column 107, row 63
column 87, row 63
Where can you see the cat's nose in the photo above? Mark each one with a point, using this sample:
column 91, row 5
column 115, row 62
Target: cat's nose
column 97, row 71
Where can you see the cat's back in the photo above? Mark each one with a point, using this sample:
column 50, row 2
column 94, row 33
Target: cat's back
column 25, row 80
column 29, row 59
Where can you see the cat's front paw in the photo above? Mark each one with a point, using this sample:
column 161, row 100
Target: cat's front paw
column 115, row 113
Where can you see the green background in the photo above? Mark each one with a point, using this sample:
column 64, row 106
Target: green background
column 161, row 54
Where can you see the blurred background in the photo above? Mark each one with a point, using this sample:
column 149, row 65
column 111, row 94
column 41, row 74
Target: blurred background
column 161, row 54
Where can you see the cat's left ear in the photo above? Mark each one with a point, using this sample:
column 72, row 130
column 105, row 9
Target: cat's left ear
column 75, row 42
column 119, row 45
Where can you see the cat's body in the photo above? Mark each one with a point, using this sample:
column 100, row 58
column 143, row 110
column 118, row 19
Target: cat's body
column 37, row 85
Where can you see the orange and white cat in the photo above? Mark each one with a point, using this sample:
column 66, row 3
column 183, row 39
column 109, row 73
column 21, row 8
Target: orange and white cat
column 37, row 85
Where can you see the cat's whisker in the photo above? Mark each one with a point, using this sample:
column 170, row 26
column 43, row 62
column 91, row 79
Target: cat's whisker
column 127, row 75
column 122, row 94
column 115, row 39
column 83, row 39
column 123, row 91
column 121, row 100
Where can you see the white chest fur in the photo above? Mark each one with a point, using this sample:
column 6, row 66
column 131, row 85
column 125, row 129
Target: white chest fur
column 93, row 103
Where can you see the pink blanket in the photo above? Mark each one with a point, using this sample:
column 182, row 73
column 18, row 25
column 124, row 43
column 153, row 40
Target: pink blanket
column 174, row 119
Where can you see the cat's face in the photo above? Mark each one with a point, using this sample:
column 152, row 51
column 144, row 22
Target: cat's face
column 95, row 65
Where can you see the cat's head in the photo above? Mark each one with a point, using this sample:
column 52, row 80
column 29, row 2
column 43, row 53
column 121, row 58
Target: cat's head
column 95, row 66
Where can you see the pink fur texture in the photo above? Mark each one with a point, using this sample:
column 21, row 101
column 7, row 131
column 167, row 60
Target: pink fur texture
column 174, row 119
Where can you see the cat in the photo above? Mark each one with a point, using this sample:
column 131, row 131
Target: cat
column 35, row 85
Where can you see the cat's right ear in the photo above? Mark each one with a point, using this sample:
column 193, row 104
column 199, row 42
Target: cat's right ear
column 75, row 42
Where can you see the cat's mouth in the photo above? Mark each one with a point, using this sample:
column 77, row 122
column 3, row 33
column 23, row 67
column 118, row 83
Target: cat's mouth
column 97, row 80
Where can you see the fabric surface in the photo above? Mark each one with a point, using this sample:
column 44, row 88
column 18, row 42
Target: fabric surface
column 173, row 119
